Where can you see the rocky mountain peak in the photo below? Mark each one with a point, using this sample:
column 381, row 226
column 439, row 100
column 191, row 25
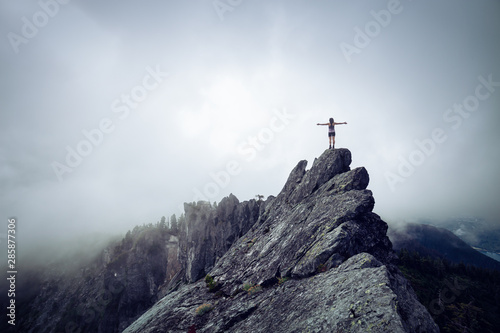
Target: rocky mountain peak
column 302, row 183
column 313, row 258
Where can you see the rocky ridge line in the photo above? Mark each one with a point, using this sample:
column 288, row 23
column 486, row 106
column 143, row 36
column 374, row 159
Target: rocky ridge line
column 317, row 259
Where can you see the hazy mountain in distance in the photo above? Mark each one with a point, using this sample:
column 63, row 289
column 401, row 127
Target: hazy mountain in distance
column 438, row 242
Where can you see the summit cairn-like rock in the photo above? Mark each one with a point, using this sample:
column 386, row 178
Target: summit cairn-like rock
column 316, row 260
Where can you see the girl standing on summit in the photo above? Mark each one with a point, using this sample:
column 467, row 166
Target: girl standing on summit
column 331, row 132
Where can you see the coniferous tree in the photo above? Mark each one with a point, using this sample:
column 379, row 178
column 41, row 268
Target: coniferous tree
column 163, row 223
column 173, row 224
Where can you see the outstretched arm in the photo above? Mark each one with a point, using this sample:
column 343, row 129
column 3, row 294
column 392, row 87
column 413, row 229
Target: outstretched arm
column 323, row 124
column 340, row 123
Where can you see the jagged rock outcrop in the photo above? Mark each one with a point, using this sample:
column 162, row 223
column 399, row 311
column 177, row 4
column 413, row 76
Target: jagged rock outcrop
column 132, row 274
column 212, row 230
column 317, row 259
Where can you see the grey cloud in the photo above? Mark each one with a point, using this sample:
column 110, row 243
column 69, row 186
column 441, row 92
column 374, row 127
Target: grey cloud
column 278, row 54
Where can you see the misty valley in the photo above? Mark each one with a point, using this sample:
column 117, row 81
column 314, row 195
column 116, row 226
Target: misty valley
column 228, row 267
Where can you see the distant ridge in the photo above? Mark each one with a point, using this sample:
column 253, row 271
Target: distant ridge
column 438, row 242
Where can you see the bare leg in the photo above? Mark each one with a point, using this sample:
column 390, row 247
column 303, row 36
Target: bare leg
column 333, row 142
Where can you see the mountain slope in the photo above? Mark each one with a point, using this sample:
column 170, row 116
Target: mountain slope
column 129, row 276
column 438, row 242
column 317, row 259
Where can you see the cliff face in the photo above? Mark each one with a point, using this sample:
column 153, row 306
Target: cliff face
column 212, row 230
column 316, row 259
column 128, row 277
column 107, row 294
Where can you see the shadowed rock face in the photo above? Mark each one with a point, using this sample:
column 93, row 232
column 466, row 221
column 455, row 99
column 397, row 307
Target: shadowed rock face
column 318, row 259
column 212, row 230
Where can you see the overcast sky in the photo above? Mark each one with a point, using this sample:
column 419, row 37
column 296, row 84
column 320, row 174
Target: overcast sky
column 114, row 113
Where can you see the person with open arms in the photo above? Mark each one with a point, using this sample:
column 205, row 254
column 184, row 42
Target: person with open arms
column 331, row 132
